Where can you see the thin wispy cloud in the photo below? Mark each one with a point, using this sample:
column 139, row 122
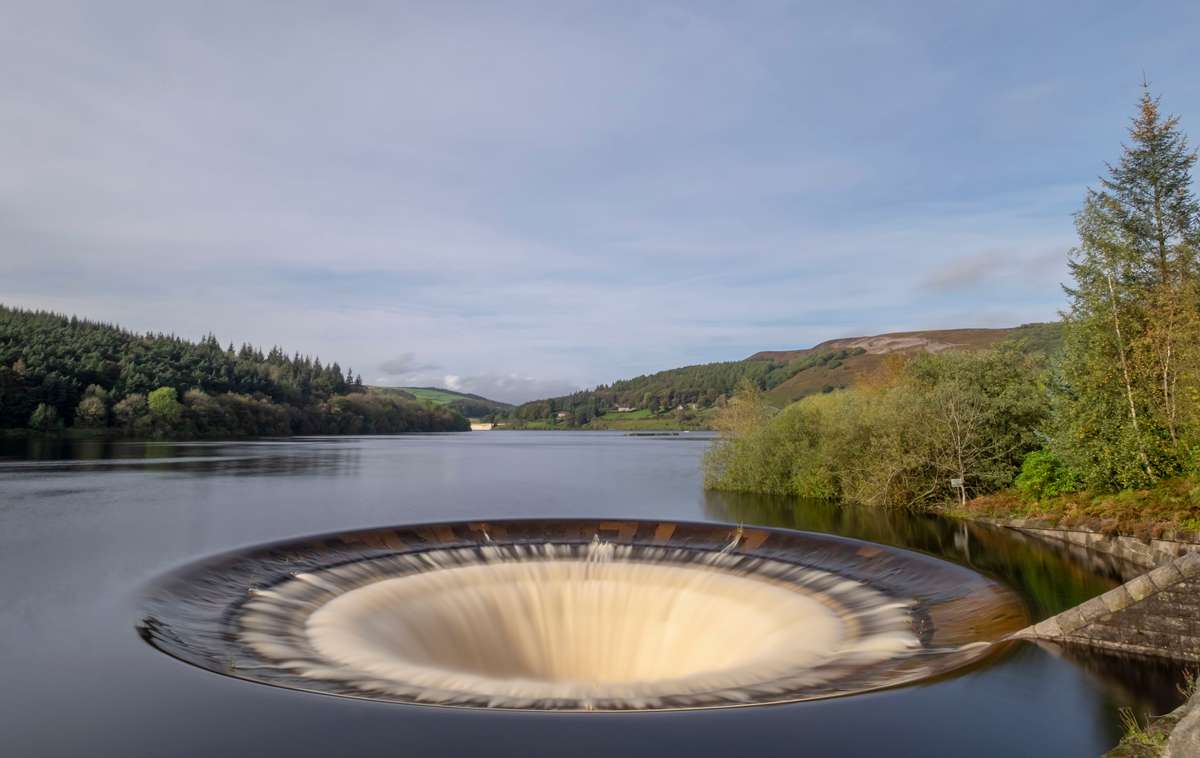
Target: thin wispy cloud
column 999, row 267
column 526, row 199
column 406, row 365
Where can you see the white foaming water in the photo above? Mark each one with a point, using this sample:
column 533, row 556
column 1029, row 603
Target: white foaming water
column 548, row 626
column 571, row 629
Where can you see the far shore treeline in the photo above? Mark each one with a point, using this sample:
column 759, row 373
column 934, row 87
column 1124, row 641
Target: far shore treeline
column 1115, row 410
column 59, row 372
column 679, row 394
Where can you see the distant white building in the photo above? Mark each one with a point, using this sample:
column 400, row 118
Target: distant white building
column 625, row 408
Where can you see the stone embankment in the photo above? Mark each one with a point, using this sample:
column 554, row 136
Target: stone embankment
column 1138, row 552
column 1157, row 613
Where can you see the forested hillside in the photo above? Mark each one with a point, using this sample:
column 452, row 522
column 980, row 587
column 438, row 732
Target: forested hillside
column 783, row 375
column 58, row 371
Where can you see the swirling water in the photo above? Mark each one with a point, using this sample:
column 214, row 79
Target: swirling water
column 549, row 626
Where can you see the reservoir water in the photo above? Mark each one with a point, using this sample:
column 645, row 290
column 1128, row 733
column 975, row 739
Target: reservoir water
column 86, row 526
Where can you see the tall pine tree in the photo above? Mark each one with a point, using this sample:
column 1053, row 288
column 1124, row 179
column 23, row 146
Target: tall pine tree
column 1130, row 366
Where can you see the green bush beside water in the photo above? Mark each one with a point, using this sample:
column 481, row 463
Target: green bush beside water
column 896, row 442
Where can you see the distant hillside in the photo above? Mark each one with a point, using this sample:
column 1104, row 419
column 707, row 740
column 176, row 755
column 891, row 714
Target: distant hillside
column 684, row 395
column 469, row 405
column 865, row 354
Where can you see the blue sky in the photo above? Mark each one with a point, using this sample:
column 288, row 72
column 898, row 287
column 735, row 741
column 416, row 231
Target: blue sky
column 518, row 199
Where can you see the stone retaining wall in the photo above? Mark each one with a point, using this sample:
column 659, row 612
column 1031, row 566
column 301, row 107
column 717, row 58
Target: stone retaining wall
column 1146, row 553
column 1157, row 613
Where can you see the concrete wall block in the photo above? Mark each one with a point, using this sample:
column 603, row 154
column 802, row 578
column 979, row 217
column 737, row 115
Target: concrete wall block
column 1140, row 588
column 1166, row 547
column 1137, row 547
column 1117, row 599
column 1093, row 609
column 1189, row 565
column 1165, row 576
column 1048, row 629
column 1069, row 621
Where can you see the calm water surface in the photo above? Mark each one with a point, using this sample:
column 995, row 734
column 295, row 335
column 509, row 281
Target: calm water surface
column 85, row 526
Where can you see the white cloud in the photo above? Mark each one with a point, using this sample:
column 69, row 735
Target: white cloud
column 405, row 365
column 509, row 388
column 998, row 267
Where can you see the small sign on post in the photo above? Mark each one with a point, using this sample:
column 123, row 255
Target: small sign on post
column 960, row 485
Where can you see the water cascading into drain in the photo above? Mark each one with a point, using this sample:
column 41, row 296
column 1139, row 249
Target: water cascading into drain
column 562, row 624
column 692, row 621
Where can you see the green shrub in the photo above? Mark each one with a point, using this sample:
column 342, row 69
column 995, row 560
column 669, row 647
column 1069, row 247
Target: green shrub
column 894, row 443
column 164, row 404
column 91, row 413
column 1043, row 475
column 131, row 413
column 45, row 419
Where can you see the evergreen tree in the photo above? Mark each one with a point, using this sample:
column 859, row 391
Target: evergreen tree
column 1133, row 322
column 1150, row 196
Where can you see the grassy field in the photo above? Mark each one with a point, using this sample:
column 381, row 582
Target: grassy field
column 471, row 406
column 643, row 420
column 437, row 397
column 540, row 424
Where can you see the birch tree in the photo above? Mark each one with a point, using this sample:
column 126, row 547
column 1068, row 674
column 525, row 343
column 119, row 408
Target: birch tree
column 1132, row 322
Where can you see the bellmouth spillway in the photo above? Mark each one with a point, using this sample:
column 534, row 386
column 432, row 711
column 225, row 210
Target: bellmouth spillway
column 579, row 615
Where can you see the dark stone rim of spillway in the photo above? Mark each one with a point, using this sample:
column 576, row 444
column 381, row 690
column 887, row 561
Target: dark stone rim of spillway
column 192, row 613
